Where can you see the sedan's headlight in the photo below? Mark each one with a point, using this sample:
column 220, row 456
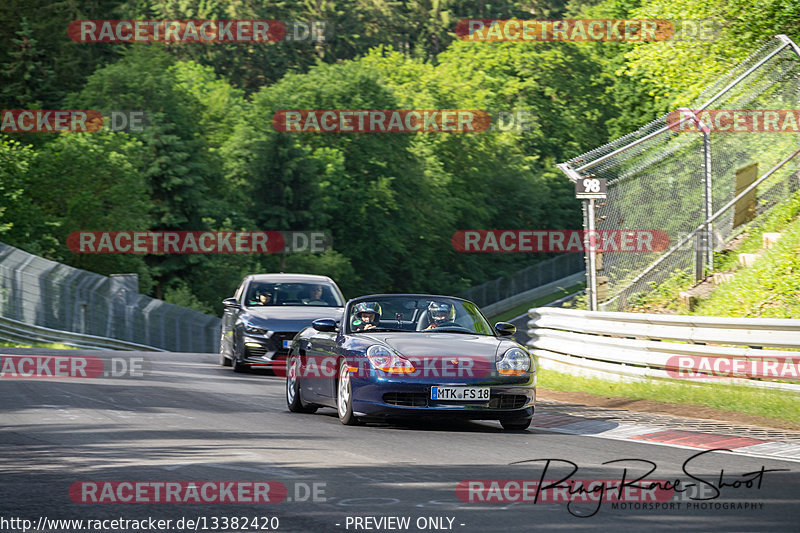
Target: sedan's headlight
column 515, row 361
column 254, row 330
column 383, row 358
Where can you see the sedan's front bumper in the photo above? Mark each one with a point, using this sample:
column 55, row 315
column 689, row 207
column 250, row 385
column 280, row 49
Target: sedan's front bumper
column 265, row 351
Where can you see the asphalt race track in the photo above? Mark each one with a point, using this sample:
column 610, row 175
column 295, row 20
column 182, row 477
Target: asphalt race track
column 183, row 418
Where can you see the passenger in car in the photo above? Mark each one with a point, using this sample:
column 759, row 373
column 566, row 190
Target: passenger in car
column 440, row 313
column 315, row 296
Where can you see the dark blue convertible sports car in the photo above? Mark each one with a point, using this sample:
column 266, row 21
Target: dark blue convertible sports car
column 412, row 355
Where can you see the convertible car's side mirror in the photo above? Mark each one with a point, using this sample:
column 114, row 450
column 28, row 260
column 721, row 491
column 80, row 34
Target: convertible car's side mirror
column 505, row 329
column 231, row 302
column 324, row 324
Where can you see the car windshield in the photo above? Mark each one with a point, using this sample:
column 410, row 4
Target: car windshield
column 261, row 294
column 416, row 314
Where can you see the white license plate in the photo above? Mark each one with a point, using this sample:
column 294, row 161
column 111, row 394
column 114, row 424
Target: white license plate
column 287, row 344
column 462, row 394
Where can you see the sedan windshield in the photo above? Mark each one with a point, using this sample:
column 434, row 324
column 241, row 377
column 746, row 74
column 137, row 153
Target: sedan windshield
column 261, row 294
column 417, row 314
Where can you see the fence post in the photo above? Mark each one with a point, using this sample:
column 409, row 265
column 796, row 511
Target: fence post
column 709, row 206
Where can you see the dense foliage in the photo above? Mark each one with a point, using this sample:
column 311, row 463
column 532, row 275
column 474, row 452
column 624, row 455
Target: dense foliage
column 209, row 157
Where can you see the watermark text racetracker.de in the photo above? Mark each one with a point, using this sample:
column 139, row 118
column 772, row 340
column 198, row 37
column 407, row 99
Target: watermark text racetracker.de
column 198, row 242
column 71, row 120
column 419, row 367
column 402, row 121
column 776, row 365
column 485, row 241
column 70, row 366
column 583, row 30
column 203, row 492
column 735, row 120
column 196, row 31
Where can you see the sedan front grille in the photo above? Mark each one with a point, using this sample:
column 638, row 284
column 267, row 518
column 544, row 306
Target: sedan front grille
column 406, row 399
column 253, row 351
column 278, row 337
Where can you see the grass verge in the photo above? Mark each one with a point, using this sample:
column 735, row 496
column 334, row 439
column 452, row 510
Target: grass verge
column 769, row 288
column 538, row 302
column 780, row 405
column 54, row 345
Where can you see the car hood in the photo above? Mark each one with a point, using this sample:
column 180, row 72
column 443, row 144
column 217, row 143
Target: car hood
column 290, row 318
column 441, row 344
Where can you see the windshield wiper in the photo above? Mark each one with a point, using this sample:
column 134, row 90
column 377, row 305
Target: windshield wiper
column 380, row 330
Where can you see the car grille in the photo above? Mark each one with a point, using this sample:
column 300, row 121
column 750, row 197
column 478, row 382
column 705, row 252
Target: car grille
column 507, row 401
column 252, row 351
column 406, row 399
column 278, row 337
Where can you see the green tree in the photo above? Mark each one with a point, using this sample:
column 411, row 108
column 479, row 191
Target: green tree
column 21, row 220
column 91, row 181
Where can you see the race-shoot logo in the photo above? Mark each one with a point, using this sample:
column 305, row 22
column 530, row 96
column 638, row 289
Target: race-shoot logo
column 198, row 242
column 559, row 241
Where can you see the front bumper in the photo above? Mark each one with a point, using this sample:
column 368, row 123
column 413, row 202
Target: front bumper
column 414, row 400
column 267, row 351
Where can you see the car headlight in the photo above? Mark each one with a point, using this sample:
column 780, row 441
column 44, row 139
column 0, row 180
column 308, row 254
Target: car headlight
column 254, row 330
column 515, row 361
column 383, row 358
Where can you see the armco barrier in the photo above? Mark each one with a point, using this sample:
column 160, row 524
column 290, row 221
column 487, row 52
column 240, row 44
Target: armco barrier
column 20, row 332
column 638, row 346
column 46, row 301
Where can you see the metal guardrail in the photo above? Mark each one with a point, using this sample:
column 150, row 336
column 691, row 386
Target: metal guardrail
column 74, row 306
column 497, row 294
column 640, row 346
column 532, row 294
column 16, row 331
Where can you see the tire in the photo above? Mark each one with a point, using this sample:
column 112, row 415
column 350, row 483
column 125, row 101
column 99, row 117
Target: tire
column 344, row 396
column 293, row 400
column 516, row 424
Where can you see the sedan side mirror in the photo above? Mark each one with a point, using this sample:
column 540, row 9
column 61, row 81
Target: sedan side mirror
column 231, row 302
column 505, row 329
column 324, row 324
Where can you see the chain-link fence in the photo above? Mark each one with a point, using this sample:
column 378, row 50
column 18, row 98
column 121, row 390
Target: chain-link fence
column 704, row 180
column 528, row 278
column 45, row 293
